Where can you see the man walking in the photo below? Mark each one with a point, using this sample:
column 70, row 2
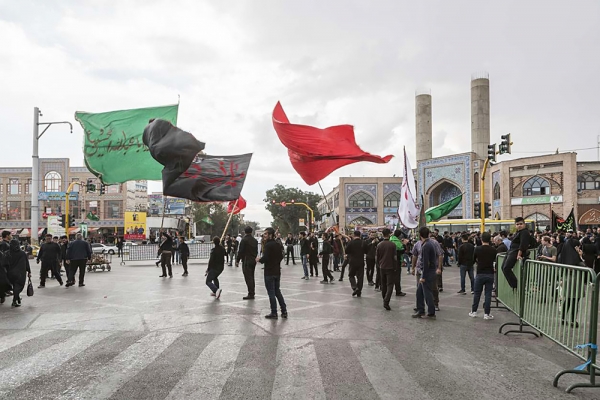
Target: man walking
column 184, row 251
column 49, row 253
column 517, row 251
column 247, row 254
column 165, row 249
column 304, row 252
column 356, row 256
column 430, row 261
column 485, row 255
column 78, row 252
column 400, row 249
column 326, row 253
column 313, row 257
column 465, row 261
column 370, row 256
column 271, row 258
column 387, row 258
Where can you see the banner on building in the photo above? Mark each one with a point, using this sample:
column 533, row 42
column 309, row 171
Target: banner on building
column 173, row 206
column 57, row 196
column 135, row 225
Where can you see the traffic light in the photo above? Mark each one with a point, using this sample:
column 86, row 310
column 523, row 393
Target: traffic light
column 293, row 201
column 273, row 202
column 477, row 210
column 61, row 220
column 71, row 220
column 487, row 210
column 102, row 188
column 505, row 145
column 492, row 152
column 89, row 186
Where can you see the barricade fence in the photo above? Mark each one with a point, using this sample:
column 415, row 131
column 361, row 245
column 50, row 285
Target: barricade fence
column 557, row 301
column 199, row 251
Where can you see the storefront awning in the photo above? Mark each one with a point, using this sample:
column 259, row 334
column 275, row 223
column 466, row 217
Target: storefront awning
column 73, row 231
column 27, row 232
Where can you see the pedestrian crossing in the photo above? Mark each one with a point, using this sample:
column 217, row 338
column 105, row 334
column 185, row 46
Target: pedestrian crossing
column 58, row 364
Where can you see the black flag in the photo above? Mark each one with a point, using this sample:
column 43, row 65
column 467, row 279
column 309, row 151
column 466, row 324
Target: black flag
column 172, row 147
column 211, row 178
column 564, row 224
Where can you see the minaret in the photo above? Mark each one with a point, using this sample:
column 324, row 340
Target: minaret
column 423, row 125
column 480, row 114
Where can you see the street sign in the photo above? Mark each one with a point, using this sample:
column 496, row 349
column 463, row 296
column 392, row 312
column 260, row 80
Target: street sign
column 301, row 221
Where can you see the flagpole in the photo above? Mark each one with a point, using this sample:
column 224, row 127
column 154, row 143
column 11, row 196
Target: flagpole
column 229, row 219
column 162, row 222
column 326, row 202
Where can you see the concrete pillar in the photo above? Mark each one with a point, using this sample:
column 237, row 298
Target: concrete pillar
column 423, row 126
column 480, row 116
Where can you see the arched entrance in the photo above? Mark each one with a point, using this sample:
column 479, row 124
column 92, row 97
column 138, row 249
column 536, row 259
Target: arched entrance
column 442, row 192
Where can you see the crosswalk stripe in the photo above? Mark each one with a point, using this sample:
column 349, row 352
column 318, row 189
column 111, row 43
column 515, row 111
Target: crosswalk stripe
column 386, row 374
column 122, row 368
column 214, row 365
column 47, row 360
column 297, row 372
column 18, row 337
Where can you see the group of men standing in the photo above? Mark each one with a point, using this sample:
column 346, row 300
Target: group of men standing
column 72, row 255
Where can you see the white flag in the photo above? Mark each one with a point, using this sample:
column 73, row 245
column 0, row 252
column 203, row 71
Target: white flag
column 408, row 210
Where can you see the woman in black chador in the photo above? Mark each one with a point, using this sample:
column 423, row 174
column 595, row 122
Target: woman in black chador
column 18, row 270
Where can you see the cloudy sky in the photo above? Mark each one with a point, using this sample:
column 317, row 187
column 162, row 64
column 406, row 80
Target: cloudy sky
column 328, row 62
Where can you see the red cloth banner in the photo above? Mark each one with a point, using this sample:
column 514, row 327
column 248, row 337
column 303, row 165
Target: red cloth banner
column 315, row 153
column 241, row 204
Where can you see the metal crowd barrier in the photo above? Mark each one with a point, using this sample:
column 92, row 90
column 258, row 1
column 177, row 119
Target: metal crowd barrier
column 145, row 252
column 560, row 302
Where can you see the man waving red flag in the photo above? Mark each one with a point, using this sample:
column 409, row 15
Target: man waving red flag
column 236, row 208
column 315, row 153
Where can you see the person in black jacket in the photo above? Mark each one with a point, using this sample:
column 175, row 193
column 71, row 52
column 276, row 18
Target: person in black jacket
column 517, row 251
column 466, row 253
column 247, row 254
column 5, row 285
column 371, row 244
column 165, row 249
column 49, row 253
column 184, row 252
column 313, row 257
column 216, row 265
column 18, row 270
column 78, row 253
column 325, row 253
column 271, row 258
column 289, row 245
column 355, row 251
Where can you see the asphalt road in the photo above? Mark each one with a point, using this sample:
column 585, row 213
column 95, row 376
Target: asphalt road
column 131, row 335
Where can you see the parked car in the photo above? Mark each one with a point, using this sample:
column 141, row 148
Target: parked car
column 104, row 248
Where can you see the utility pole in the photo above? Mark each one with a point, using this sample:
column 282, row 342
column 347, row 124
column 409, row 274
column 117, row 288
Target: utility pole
column 35, row 170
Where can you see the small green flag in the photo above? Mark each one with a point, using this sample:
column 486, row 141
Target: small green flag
column 440, row 211
column 92, row 217
column 113, row 149
column 208, row 220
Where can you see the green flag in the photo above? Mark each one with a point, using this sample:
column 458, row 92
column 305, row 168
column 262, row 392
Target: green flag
column 437, row 212
column 208, row 220
column 91, row 216
column 113, row 149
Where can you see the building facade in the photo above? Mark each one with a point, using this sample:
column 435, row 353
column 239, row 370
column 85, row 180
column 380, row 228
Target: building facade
column 55, row 176
column 531, row 187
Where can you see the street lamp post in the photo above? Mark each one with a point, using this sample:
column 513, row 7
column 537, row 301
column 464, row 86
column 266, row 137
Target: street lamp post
column 35, row 170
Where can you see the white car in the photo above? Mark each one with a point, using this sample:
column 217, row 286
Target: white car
column 103, row 248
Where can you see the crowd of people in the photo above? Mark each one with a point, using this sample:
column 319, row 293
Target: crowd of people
column 380, row 256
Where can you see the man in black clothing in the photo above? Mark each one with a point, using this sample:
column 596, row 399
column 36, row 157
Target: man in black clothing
column 465, row 261
column 313, row 256
column 247, row 254
column 304, row 253
column 78, row 252
column 517, row 251
column 165, row 249
column 326, row 252
column 5, row 286
column 356, row 257
column 49, row 253
column 289, row 245
column 271, row 258
column 372, row 243
column 387, row 258
column 485, row 255
column 184, row 252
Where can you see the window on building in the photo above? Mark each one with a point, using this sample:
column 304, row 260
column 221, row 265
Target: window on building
column 360, row 199
column 13, row 186
column 27, row 210
column 13, row 210
column 497, row 191
column 113, row 209
column 1, row 187
column 28, row 187
column 588, row 181
column 392, row 200
column 536, row 186
column 476, row 182
column 75, row 188
column 52, row 182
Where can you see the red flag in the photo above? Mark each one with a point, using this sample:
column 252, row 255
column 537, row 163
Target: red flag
column 241, row 204
column 316, row 153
